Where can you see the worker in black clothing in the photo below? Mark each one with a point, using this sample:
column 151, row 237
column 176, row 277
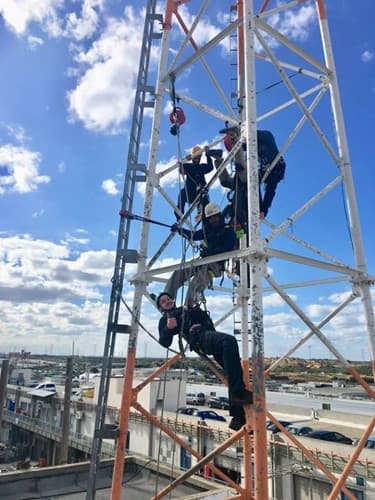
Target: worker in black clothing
column 267, row 152
column 195, row 180
column 198, row 330
column 216, row 237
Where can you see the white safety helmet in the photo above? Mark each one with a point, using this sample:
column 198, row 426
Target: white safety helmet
column 211, row 209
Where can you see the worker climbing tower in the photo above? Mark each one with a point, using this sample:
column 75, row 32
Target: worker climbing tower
column 184, row 96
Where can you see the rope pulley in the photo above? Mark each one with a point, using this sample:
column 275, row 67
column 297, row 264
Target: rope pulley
column 177, row 116
column 228, row 142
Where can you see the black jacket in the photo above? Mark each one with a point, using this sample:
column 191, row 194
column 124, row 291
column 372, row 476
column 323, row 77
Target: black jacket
column 185, row 319
column 217, row 239
column 195, row 180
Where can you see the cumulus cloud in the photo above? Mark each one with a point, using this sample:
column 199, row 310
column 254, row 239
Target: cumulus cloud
column 38, row 213
column 85, row 25
column 61, row 167
column 110, row 187
column 367, row 56
column 20, row 172
column 34, row 270
column 69, row 238
column 294, row 24
column 204, row 30
column 103, row 96
column 34, row 41
column 53, row 294
column 16, row 132
column 56, row 323
column 19, row 15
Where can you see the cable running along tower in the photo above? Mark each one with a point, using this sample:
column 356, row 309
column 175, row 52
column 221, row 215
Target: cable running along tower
column 302, row 107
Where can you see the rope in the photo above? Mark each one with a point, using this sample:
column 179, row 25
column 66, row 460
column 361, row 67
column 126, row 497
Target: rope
column 278, row 82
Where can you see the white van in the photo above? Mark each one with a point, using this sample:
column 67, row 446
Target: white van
column 195, row 398
column 47, row 386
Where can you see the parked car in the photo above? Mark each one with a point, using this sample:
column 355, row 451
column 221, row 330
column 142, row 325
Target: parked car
column 208, row 414
column 299, row 429
column 47, row 386
column 270, row 426
column 218, row 402
column 185, row 410
column 370, row 443
column 334, row 436
column 195, row 398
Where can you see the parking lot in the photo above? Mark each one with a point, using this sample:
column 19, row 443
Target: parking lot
column 350, row 428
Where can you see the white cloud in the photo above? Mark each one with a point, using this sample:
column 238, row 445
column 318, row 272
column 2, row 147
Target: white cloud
column 34, row 41
column 56, row 324
column 85, row 25
column 204, row 30
column 61, row 167
column 21, row 170
column 37, row 214
column 19, row 14
column 296, row 24
column 70, row 239
column 41, row 271
column 16, row 132
column 103, row 97
column 274, row 300
column 110, row 187
column 367, row 56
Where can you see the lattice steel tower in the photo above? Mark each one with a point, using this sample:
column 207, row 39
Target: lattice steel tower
column 305, row 109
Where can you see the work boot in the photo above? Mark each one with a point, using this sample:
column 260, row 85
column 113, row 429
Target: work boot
column 243, row 397
column 237, row 422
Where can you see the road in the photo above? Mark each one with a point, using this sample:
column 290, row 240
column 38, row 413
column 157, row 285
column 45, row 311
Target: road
column 362, row 407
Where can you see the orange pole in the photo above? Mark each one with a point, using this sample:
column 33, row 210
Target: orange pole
column 260, row 433
column 157, row 372
column 264, row 6
column 247, row 438
column 126, row 400
column 185, row 445
column 360, row 380
column 336, row 490
column 128, row 394
column 321, row 9
column 219, row 375
column 210, row 456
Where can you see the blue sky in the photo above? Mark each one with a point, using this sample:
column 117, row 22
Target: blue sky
column 66, row 94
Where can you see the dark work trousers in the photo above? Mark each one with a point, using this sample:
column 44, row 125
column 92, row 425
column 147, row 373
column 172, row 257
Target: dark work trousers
column 188, row 197
column 201, row 279
column 275, row 176
column 224, row 349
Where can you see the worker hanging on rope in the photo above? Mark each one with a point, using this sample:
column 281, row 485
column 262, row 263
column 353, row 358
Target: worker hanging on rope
column 195, row 181
column 196, row 327
column 216, row 237
column 267, row 152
